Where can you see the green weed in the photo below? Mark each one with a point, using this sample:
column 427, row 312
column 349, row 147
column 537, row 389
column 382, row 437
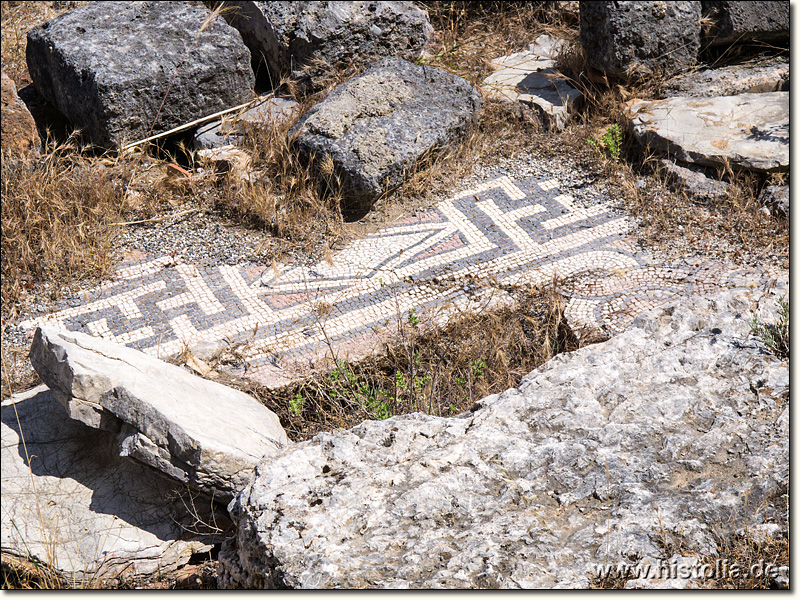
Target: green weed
column 610, row 144
column 774, row 335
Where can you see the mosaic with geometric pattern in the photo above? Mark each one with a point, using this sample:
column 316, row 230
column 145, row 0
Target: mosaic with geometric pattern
column 503, row 231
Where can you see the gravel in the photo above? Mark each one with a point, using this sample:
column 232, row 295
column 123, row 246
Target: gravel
column 199, row 238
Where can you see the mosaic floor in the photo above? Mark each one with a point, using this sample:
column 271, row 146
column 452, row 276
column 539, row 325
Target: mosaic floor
column 437, row 263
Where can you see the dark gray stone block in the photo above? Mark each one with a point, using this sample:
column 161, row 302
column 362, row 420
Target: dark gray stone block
column 375, row 127
column 629, row 39
column 758, row 76
column 108, row 66
column 746, row 21
column 290, row 37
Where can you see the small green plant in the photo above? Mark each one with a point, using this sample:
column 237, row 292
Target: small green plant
column 478, row 366
column 774, row 335
column 413, row 319
column 610, row 143
column 297, row 403
column 400, row 381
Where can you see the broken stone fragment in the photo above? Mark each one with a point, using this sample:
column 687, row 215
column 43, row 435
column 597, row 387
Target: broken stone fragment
column 198, row 432
column 19, row 134
column 695, row 181
column 69, row 502
column 230, row 129
column 529, row 78
column 777, row 199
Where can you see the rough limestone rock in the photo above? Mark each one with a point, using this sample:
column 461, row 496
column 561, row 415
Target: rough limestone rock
column 292, row 36
column 108, row 66
column 753, row 77
column 776, row 197
column 746, row 21
column 530, row 79
column 199, row 432
column 750, row 131
column 376, row 126
column 230, row 129
column 675, row 429
column 639, row 38
column 73, row 505
column 695, row 181
column 19, row 134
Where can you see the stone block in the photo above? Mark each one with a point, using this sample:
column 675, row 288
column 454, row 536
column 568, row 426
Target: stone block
column 746, row 21
column 376, row 126
column 120, row 71
column 638, row 39
column 303, row 39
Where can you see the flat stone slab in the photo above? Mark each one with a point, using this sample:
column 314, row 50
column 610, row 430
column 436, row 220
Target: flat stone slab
column 592, row 461
column 749, row 131
column 752, row 77
column 109, row 66
column 199, row 432
column 376, row 126
column 70, row 503
column 528, row 77
column 230, row 129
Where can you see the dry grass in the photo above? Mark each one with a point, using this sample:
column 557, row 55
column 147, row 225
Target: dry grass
column 56, row 221
column 439, row 370
column 296, row 202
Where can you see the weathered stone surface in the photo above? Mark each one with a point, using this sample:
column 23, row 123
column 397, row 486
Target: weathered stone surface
column 746, row 21
column 749, row 131
column 196, row 431
column 19, row 134
column 674, row 429
column 529, row 78
column 292, row 36
column 754, row 77
column 70, row 503
column 376, row 126
column 638, row 38
column 108, row 66
column 229, row 130
column 776, row 198
column 694, row 181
